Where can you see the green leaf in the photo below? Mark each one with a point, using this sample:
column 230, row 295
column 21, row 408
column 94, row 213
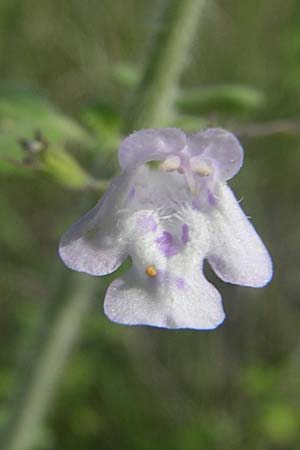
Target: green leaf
column 226, row 98
column 104, row 121
column 126, row 75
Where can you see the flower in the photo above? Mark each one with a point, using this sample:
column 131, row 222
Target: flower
column 169, row 210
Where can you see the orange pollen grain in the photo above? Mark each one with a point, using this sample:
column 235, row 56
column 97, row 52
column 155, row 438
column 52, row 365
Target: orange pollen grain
column 151, row 271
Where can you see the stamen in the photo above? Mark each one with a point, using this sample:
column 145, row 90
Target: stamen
column 170, row 164
column 190, row 181
column 200, row 167
column 204, row 171
column 151, row 271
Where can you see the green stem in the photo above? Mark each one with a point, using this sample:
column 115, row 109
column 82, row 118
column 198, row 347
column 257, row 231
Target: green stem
column 46, row 372
column 157, row 92
column 153, row 101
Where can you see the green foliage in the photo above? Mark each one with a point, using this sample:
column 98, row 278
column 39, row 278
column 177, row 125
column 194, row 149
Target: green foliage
column 105, row 122
column 137, row 388
column 226, row 99
column 280, row 423
column 189, row 123
column 15, row 232
column 126, row 75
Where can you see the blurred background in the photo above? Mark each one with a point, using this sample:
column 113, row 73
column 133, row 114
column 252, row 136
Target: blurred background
column 69, row 71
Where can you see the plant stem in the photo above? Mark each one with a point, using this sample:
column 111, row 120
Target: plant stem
column 51, row 361
column 154, row 98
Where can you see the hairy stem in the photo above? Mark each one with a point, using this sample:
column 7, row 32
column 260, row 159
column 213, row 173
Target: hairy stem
column 154, row 98
column 46, row 372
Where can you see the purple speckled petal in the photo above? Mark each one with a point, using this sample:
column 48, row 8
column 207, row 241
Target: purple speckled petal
column 169, row 302
column 167, row 245
column 222, row 147
column 169, row 221
column 237, row 253
column 185, row 237
column 93, row 244
column 146, row 222
column 149, row 145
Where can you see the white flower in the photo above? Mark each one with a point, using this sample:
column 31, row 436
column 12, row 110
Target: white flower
column 169, row 219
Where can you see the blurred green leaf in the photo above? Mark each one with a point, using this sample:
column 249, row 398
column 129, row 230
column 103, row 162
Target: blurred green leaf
column 104, row 121
column 189, row 123
column 224, row 98
column 22, row 112
column 15, row 233
column 280, row 423
column 260, row 380
column 126, row 75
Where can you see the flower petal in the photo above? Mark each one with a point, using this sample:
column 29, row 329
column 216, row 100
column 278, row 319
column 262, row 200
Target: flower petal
column 149, row 145
column 237, row 253
column 222, row 147
column 168, row 301
column 94, row 244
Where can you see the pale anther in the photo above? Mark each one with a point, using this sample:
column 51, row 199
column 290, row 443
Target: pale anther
column 200, row 167
column 171, row 163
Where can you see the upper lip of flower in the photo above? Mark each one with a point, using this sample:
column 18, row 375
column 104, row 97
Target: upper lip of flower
column 214, row 144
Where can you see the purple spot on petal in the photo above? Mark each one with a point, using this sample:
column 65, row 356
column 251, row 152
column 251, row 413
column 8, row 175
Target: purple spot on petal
column 161, row 275
column 180, row 283
column 152, row 223
column 196, row 203
column 166, row 244
column 185, row 234
column 147, row 223
column 131, row 193
column 211, row 198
